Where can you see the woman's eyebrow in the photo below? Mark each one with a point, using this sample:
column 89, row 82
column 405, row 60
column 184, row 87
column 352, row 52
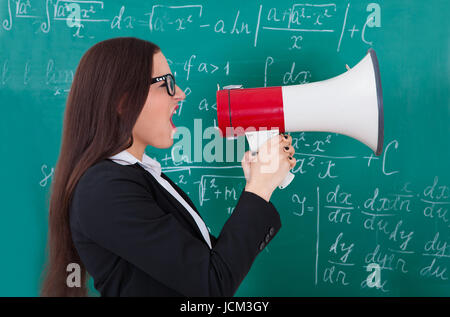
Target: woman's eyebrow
column 165, row 74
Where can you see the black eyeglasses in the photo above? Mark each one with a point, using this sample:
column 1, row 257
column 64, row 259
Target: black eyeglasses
column 170, row 83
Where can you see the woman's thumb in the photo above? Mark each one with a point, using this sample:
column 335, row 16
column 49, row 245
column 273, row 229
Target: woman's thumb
column 248, row 157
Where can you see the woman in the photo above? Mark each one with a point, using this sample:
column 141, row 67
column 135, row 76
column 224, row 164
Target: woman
column 116, row 215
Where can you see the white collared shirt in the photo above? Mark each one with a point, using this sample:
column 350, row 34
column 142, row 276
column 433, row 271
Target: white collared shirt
column 154, row 168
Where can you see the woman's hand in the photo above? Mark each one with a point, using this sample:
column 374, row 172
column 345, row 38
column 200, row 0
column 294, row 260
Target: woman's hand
column 266, row 170
column 246, row 161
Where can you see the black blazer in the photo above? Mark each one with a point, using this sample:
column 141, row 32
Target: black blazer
column 136, row 239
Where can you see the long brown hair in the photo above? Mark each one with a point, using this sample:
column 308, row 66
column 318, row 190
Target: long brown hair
column 109, row 89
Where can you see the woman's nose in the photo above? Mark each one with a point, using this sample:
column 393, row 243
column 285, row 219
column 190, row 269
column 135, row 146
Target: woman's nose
column 180, row 93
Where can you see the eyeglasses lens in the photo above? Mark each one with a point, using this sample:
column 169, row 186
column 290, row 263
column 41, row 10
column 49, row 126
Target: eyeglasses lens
column 171, row 85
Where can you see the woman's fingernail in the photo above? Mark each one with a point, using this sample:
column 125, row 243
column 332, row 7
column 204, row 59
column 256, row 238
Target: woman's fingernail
column 290, row 157
column 286, row 136
column 286, row 148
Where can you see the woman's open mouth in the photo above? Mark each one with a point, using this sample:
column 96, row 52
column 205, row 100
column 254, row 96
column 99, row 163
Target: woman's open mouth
column 173, row 112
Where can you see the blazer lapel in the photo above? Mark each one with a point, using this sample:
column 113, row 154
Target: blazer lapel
column 189, row 201
column 182, row 193
column 178, row 206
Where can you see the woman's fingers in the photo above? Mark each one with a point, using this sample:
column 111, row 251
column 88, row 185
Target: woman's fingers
column 286, row 143
column 286, row 138
column 289, row 149
column 292, row 161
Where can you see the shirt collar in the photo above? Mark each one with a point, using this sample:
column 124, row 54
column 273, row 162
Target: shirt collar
column 126, row 158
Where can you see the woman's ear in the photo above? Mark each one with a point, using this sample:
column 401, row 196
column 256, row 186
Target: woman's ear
column 121, row 103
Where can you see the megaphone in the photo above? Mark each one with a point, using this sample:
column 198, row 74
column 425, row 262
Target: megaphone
column 350, row 104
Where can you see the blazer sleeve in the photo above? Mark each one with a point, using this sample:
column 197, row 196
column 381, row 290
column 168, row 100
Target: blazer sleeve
column 121, row 215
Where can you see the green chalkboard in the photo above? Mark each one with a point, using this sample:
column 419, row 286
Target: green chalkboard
column 346, row 208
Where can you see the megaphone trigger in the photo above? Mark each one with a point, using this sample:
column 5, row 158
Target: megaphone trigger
column 286, row 181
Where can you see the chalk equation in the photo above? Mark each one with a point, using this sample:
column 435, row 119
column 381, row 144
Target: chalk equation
column 292, row 22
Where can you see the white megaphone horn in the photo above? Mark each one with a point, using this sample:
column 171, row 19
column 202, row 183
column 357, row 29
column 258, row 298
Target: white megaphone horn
column 350, row 104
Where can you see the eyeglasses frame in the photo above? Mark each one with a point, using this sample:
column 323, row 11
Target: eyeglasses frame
column 164, row 77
